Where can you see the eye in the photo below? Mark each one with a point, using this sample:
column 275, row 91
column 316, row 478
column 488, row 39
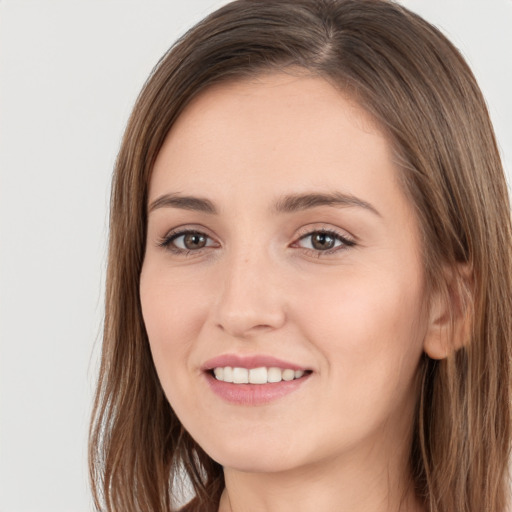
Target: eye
column 184, row 242
column 325, row 241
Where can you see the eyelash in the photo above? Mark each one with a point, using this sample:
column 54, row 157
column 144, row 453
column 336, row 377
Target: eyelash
column 167, row 242
column 346, row 242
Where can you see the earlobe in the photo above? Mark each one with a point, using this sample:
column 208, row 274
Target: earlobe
column 450, row 314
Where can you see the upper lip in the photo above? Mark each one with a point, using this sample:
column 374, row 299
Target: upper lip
column 249, row 361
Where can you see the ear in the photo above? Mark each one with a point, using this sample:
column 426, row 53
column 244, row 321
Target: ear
column 450, row 314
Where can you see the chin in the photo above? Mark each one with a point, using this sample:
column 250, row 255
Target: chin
column 252, row 454
column 254, row 463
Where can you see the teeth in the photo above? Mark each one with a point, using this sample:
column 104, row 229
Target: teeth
column 228, row 374
column 260, row 375
column 288, row 374
column 240, row 375
column 275, row 375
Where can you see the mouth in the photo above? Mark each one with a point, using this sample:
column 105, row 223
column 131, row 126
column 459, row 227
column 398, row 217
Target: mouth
column 253, row 380
column 260, row 375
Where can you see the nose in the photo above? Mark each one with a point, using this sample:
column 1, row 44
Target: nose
column 250, row 299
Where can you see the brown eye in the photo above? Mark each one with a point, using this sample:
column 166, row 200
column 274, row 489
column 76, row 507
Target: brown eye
column 193, row 241
column 322, row 241
column 187, row 241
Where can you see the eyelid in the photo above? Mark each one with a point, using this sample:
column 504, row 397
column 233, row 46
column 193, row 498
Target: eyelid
column 345, row 238
column 167, row 240
column 323, row 228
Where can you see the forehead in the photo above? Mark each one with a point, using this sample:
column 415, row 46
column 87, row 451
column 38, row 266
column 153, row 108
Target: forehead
column 298, row 92
column 298, row 129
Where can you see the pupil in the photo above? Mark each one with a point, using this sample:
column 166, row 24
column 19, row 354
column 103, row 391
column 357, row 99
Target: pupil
column 194, row 241
column 323, row 241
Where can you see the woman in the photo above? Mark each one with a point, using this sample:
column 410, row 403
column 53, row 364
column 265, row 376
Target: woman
column 309, row 278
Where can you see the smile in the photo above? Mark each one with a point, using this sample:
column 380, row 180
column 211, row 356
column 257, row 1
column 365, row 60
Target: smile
column 250, row 380
column 260, row 375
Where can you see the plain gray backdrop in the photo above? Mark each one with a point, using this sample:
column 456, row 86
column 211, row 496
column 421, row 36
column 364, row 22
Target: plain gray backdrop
column 70, row 71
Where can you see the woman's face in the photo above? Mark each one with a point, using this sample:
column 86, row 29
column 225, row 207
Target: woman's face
column 279, row 237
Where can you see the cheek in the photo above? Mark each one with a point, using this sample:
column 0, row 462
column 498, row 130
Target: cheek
column 369, row 327
column 173, row 315
column 172, row 319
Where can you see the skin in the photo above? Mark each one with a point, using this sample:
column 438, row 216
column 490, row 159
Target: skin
column 355, row 316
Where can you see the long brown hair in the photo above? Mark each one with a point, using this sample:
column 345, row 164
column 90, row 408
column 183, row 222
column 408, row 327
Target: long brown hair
column 419, row 89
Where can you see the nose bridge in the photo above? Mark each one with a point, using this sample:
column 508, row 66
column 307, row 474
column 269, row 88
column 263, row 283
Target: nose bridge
column 249, row 298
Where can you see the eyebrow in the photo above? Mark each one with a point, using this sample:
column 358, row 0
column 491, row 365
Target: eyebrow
column 286, row 204
column 184, row 203
column 299, row 202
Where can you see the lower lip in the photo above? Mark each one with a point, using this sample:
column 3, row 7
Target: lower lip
column 253, row 394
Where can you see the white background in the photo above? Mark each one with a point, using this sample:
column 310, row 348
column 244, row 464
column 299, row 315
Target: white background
column 70, row 71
